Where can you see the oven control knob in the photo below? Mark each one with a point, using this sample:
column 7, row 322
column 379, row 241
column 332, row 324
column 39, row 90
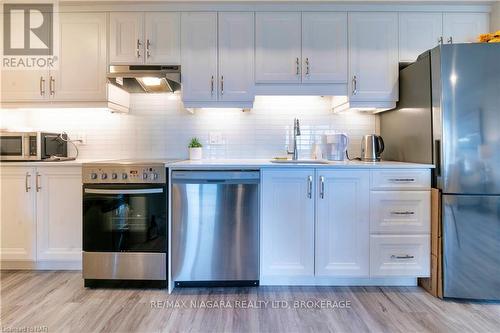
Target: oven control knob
column 93, row 175
column 154, row 176
column 144, row 176
column 104, row 176
column 124, row 175
column 114, row 176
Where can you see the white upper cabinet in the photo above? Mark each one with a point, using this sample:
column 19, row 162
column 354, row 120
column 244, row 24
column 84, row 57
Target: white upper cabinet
column 418, row 32
column 217, row 58
column 324, row 47
column 287, row 223
column 24, row 85
column 236, row 56
column 464, row 27
column 126, row 38
column 18, row 236
column 59, row 213
column 278, row 47
column 144, row 38
column 81, row 75
column 342, row 223
column 162, row 42
column 373, row 56
column 199, row 56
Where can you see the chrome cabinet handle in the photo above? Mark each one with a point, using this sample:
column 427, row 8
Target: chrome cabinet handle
column 297, row 63
column 52, row 83
column 309, row 186
column 307, row 66
column 354, row 85
column 138, row 48
column 27, row 182
column 405, row 256
column 222, row 85
column 440, row 40
column 38, row 182
column 148, row 51
column 402, row 180
column 450, row 40
column 403, row 213
column 212, row 86
column 42, row 86
column 321, row 187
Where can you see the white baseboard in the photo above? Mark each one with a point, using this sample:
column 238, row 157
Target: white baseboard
column 327, row 281
column 41, row 265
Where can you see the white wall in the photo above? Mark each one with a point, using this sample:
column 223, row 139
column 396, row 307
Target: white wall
column 495, row 17
column 158, row 127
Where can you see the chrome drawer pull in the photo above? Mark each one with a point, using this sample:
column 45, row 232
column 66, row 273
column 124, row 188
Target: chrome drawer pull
column 403, row 213
column 27, row 182
column 297, row 64
column 406, row 256
column 322, row 187
column 402, row 180
column 309, row 186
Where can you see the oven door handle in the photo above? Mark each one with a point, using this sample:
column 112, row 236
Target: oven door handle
column 134, row 191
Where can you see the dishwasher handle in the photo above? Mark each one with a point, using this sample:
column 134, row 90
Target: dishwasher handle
column 215, row 177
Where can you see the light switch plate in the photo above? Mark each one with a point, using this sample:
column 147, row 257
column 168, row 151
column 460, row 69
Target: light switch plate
column 215, row 138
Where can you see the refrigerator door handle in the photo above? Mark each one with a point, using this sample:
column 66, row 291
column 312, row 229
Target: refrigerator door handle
column 437, row 154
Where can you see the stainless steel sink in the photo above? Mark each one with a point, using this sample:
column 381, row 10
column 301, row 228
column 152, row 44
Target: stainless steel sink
column 299, row 161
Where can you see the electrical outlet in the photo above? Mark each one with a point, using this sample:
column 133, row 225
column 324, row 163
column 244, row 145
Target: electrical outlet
column 80, row 138
column 215, row 138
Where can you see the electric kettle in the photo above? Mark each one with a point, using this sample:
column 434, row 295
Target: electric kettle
column 371, row 147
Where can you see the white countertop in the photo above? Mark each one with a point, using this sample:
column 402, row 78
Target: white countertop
column 266, row 163
column 243, row 164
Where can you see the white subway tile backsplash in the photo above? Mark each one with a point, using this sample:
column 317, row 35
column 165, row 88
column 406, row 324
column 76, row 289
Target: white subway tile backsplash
column 158, row 126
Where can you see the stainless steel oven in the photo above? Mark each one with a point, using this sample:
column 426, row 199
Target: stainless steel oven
column 31, row 146
column 124, row 225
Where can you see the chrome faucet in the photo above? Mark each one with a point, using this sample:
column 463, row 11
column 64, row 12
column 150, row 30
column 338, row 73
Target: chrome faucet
column 296, row 133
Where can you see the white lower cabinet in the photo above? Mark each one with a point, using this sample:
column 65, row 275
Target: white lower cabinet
column 342, row 223
column 41, row 216
column 59, row 213
column 400, row 255
column 17, row 212
column 287, row 229
column 322, row 226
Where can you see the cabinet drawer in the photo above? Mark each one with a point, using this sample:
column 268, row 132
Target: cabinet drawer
column 400, row 255
column 400, row 212
column 400, row 179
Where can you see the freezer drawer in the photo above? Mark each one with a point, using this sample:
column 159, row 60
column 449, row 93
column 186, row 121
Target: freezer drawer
column 215, row 226
column 471, row 246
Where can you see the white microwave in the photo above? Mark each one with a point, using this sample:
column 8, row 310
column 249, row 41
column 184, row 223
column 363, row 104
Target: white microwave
column 31, row 146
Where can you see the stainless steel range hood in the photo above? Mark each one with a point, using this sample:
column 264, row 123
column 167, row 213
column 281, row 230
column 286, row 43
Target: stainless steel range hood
column 146, row 78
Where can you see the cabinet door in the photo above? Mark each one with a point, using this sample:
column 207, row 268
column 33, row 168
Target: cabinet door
column 464, row 27
column 342, row 223
column 17, row 211
column 163, row 38
column 199, row 56
column 373, row 56
column 24, row 85
column 81, row 75
column 324, row 47
column 59, row 213
column 278, row 47
column 418, row 32
column 126, row 42
column 287, row 224
column 236, row 56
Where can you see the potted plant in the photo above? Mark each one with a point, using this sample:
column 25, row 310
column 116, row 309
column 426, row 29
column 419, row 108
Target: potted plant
column 195, row 149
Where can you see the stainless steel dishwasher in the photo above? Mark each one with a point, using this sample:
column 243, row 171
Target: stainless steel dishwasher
column 215, row 228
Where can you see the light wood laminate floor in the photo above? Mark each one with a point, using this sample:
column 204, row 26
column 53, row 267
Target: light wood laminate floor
column 59, row 302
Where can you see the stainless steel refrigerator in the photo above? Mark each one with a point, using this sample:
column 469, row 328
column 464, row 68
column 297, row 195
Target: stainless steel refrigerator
column 449, row 115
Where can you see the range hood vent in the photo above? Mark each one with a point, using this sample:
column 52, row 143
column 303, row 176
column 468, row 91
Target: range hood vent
column 146, row 78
